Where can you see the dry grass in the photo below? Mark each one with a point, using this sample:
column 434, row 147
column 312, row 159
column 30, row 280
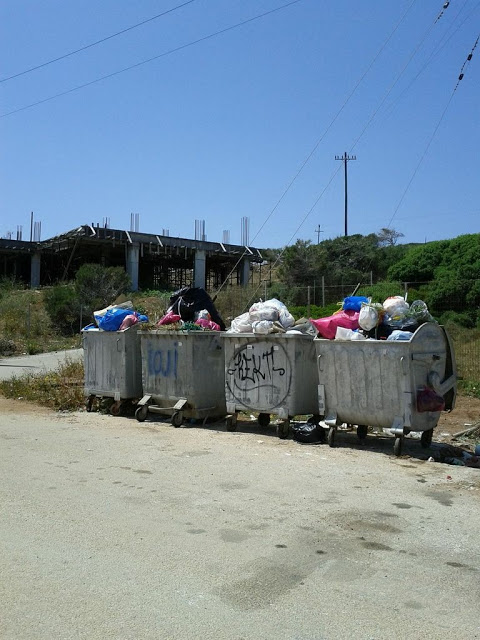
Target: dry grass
column 61, row 389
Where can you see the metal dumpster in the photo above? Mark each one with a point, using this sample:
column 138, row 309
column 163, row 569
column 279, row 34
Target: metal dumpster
column 375, row 382
column 270, row 374
column 113, row 369
column 183, row 375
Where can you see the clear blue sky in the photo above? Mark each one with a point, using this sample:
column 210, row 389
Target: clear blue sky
column 218, row 130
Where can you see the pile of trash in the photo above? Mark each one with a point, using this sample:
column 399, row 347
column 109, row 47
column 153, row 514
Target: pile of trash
column 271, row 316
column 361, row 319
column 449, row 454
column 191, row 309
column 116, row 317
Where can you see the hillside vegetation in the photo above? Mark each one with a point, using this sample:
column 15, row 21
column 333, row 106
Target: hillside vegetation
column 311, row 279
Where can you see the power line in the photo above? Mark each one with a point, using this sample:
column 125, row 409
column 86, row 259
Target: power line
column 460, row 77
column 161, row 55
column 94, row 44
column 433, row 55
column 315, row 147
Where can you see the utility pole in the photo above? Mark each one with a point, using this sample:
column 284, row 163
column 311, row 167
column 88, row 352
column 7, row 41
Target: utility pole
column 345, row 158
column 318, row 231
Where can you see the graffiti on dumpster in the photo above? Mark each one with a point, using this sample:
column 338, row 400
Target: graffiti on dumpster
column 163, row 362
column 259, row 374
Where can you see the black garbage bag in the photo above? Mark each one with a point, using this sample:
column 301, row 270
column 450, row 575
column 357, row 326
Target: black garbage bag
column 186, row 301
column 308, row 433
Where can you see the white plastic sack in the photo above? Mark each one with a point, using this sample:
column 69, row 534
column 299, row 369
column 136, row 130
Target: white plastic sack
column 285, row 317
column 241, row 324
column 368, row 317
column 263, row 311
column 396, row 307
column 262, row 327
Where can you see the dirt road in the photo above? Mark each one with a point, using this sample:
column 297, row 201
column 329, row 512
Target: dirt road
column 115, row 529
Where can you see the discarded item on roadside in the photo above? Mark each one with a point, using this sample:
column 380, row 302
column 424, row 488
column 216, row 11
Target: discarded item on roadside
column 308, row 433
column 450, row 454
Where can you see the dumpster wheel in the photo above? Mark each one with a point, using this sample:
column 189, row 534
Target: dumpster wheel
column 331, row 436
column 263, row 419
column 177, row 419
column 397, row 446
column 362, row 431
column 426, row 439
column 89, row 403
column 141, row 413
column 115, row 409
column 231, row 423
column 283, row 429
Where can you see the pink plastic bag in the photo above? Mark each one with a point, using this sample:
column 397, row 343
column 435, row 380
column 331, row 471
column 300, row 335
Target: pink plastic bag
column 128, row 321
column 327, row 327
column 168, row 318
column 208, row 324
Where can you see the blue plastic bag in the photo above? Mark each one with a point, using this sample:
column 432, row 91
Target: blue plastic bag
column 113, row 318
column 354, row 303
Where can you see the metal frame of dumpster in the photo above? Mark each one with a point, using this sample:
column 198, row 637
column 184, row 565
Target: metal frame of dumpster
column 183, row 375
column 375, row 382
column 270, row 374
column 113, row 368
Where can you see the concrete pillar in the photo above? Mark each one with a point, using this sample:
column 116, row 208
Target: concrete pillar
column 245, row 272
column 35, row 270
column 133, row 256
column 199, row 269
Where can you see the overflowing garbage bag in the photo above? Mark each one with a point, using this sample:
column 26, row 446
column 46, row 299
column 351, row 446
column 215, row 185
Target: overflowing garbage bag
column 360, row 318
column 117, row 317
column 308, row 432
column 189, row 301
column 269, row 316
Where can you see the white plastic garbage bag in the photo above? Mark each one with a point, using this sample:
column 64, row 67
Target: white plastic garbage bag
column 262, row 327
column 284, row 316
column 263, row 311
column 241, row 324
column 396, row 307
column 368, row 317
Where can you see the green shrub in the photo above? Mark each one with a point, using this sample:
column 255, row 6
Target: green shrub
column 63, row 307
column 97, row 286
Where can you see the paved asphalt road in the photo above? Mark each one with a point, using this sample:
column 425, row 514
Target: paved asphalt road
column 20, row 365
column 112, row 528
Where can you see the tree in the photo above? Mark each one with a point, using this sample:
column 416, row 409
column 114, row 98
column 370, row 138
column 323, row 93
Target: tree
column 388, row 237
column 97, row 286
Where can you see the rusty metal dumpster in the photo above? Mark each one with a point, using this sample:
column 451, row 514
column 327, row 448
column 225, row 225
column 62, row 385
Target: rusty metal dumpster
column 113, row 369
column 376, row 382
column 270, row 374
column 183, row 375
